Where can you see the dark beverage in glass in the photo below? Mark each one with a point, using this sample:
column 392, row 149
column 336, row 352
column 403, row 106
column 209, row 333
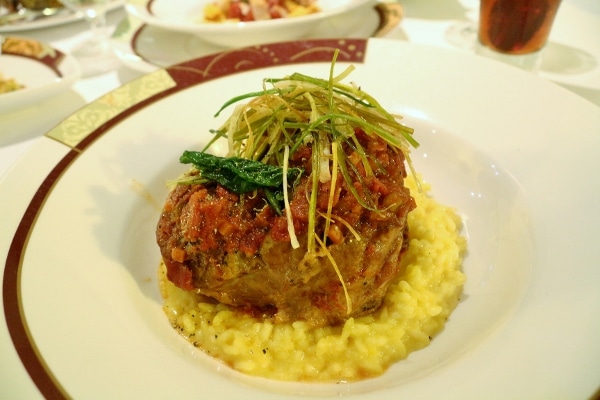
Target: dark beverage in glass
column 516, row 26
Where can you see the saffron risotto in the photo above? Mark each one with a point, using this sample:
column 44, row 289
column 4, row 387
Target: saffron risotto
column 414, row 310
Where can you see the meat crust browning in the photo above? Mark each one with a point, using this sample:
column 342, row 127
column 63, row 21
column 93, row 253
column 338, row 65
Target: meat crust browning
column 236, row 250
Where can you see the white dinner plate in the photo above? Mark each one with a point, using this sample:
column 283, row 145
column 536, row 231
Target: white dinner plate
column 513, row 153
column 42, row 70
column 188, row 16
column 146, row 48
column 58, row 19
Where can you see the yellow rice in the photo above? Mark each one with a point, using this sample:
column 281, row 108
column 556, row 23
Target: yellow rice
column 9, row 85
column 415, row 309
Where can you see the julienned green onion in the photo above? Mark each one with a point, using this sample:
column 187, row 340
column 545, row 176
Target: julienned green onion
column 303, row 110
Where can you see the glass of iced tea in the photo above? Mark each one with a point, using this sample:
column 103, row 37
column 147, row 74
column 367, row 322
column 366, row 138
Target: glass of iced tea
column 516, row 31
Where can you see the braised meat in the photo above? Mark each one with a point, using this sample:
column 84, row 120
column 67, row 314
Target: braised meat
column 236, row 249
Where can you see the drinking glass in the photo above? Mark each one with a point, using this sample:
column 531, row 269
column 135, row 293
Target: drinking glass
column 515, row 31
column 463, row 33
column 95, row 54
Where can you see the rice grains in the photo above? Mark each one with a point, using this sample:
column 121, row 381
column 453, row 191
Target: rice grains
column 414, row 310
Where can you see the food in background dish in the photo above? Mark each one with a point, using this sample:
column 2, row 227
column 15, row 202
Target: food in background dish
column 10, row 5
column 15, row 5
column 9, row 85
column 303, row 246
column 257, row 10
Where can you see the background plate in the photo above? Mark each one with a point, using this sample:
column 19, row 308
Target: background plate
column 59, row 19
column 43, row 70
column 188, row 16
column 146, row 48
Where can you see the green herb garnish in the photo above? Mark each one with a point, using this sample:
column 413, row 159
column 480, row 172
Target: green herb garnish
column 241, row 175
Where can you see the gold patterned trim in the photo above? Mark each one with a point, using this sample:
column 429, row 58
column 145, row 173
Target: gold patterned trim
column 74, row 129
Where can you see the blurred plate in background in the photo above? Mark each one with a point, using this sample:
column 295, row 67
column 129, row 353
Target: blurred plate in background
column 188, row 16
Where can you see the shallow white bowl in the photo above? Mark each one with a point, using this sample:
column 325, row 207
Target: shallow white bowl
column 43, row 70
column 82, row 312
column 187, row 16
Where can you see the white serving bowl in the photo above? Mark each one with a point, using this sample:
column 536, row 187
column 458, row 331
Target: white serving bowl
column 187, row 16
